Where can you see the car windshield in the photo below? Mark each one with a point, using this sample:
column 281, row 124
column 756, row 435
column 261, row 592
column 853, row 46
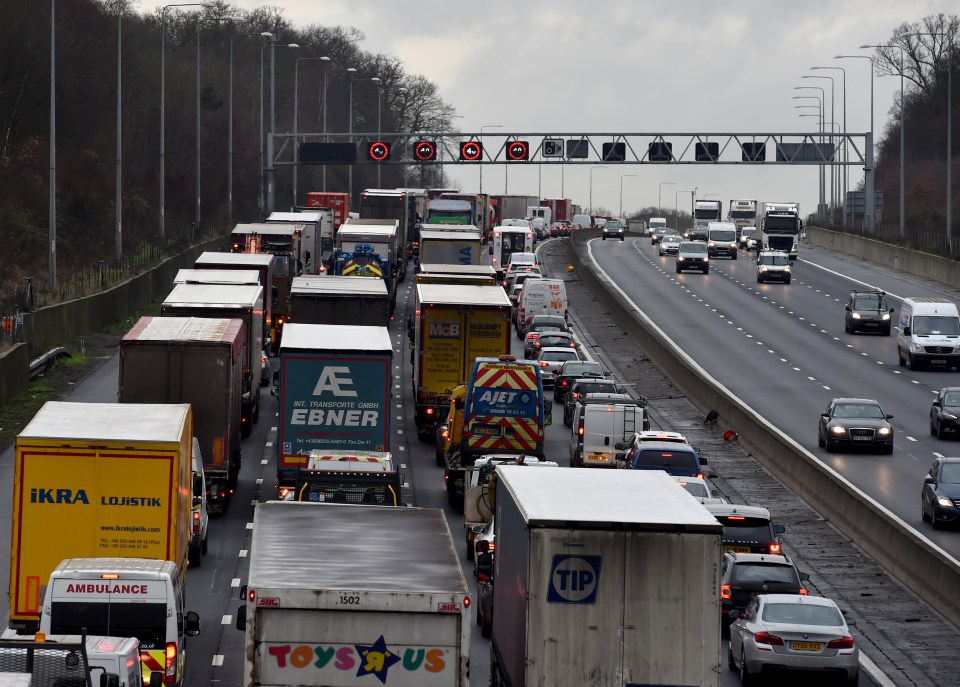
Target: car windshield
column 935, row 325
column 698, row 489
column 951, row 398
column 723, row 235
column 950, row 473
column 877, row 304
column 802, row 614
column 612, row 223
column 858, row 410
column 767, row 573
column 774, row 260
column 662, row 230
column 658, row 458
column 523, row 258
column 581, row 369
column 740, row 528
column 692, row 247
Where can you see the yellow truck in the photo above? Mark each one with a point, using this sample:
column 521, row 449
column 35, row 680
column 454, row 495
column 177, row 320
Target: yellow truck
column 97, row 480
column 455, row 324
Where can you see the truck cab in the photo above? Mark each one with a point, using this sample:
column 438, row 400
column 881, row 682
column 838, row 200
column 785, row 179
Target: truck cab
column 369, row 477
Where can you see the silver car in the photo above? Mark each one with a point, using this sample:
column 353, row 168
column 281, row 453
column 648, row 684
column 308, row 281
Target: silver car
column 550, row 359
column 795, row 632
column 670, row 244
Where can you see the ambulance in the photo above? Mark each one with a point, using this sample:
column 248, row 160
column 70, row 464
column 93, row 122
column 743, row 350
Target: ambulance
column 124, row 597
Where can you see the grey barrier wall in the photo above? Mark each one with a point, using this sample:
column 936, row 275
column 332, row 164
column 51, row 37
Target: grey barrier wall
column 67, row 322
column 917, row 563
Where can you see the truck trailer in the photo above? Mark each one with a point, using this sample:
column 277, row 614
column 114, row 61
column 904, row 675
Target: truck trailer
column 450, row 244
column 329, row 299
column 317, row 613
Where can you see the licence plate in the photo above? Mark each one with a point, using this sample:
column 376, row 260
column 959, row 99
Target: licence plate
column 737, row 549
column 487, row 431
column 805, row 646
column 598, row 457
column 856, row 437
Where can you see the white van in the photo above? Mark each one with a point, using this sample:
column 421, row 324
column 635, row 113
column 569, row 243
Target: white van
column 605, row 426
column 540, row 297
column 929, row 332
column 722, row 240
column 124, row 597
column 656, row 223
column 585, row 221
column 201, row 519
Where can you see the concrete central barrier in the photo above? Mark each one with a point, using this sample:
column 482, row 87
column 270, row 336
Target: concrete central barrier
column 919, row 564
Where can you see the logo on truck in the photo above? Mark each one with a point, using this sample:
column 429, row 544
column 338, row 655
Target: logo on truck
column 69, row 496
column 574, row 579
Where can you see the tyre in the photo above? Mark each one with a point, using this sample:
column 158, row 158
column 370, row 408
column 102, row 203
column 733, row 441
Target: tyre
column 621, row 238
column 441, row 459
column 604, row 238
column 853, row 681
column 245, row 429
column 256, row 408
column 486, row 629
column 746, row 677
column 679, row 270
column 933, row 430
column 820, row 442
column 827, row 444
column 479, row 617
column 923, row 513
column 787, row 280
column 193, row 557
column 846, row 327
column 759, row 280
column 731, row 664
column 706, row 270
column 900, row 358
column 888, row 450
column 423, row 436
column 203, row 545
column 913, row 364
column 940, row 433
column 733, row 256
column 567, row 421
column 886, row 331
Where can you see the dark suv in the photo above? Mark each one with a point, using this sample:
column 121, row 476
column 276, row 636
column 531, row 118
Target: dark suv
column 569, row 371
column 613, row 228
column 747, row 529
column 868, row 311
column 746, row 575
column 587, row 385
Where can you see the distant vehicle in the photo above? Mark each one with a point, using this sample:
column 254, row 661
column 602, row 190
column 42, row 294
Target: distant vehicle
column 674, row 459
column 575, row 369
column 742, row 213
column 941, row 493
column 659, row 233
column 868, row 311
column 670, row 244
column 613, row 228
column 773, row 265
column 605, row 429
column 699, row 489
column 585, row 221
column 747, row 529
column 855, row 423
column 550, row 360
column 748, row 238
column 530, row 341
column 692, row 255
column 656, row 223
column 722, row 240
column 779, row 227
column 581, row 387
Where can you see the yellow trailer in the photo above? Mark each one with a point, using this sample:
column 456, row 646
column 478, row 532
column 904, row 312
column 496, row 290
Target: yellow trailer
column 97, row 480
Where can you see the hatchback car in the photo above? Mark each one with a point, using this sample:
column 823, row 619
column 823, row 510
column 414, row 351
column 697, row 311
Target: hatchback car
column 550, row 339
column 699, row 489
column 575, row 369
column 530, row 341
column 748, row 238
column 744, row 576
column 747, row 529
column 692, row 255
column 792, row 632
column 940, row 498
column 613, row 228
column 581, row 387
column 540, row 322
column 945, row 412
column 670, row 244
column 867, row 311
column 855, row 423
column 550, row 360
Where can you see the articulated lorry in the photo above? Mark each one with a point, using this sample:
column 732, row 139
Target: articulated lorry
column 456, row 324
column 397, row 204
column 229, row 301
column 97, row 479
column 742, row 213
column 316, row 613
column 334, row 383
column 195, row 360
column 370, row 248
column 242, row 262
column 600, row 580
column 315, row 233
column 779, row 227
column 337, row 201
column 704, row 212
column 329, row 299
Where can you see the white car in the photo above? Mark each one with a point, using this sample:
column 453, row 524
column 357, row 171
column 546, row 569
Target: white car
column 551, row 359
column 748, row 238
column 700, row 489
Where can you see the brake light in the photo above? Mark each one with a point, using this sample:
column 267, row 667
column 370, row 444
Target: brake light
column 804, row 592
column 196, row 522
column 429, row 411
column 564, row 382
column 580, row 430
column 775, row 548
column 767, row 638
column 845, row 642
column 171, row 668
column 445, row 433
column 700, row 475
column 735, row 517
column 543, row 364
column 284, row 492
column 725, row 592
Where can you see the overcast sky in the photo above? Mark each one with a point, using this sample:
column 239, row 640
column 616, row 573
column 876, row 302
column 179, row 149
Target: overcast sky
column 634, row 66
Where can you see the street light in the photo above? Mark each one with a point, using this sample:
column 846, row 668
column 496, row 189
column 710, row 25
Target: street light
column 326, row 74
column 296, row 116
column 52, row 226
column 202, row 3
column 592, row 170
column 903, row 206
column 676, row 209
column 659, row 191
column 271, row 180
column 271, row 40
column 870, row 199
column 374, row 79
column 489, row 126
column 949, row 134
column 230, row 136
column 833, row 99
column 622, row 177
column 823, row 180
column 846, row 152
column 118, row 242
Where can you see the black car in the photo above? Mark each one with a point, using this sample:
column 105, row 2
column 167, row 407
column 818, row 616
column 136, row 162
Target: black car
column 940, row 498
column 868, row 311
column 747, row 529
column 574, row 369
column 855, row 423
column 613, row 228
column 945, row 412
column 583, row 386
column 746, row 575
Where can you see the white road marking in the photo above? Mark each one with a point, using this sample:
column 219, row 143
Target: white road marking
column 235, row 582
column 249, row 525
column 910, row 439
column 243, row 553
column 217, row 660
column 226, row 620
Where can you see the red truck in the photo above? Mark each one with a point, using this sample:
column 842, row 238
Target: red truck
column 338, row 202
column 562, row 208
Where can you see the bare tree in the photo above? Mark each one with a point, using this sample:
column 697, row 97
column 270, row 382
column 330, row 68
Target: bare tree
column 925, row 57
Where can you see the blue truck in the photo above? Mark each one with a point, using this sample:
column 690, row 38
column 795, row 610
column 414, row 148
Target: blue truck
column 334, row 384
column 369, row 248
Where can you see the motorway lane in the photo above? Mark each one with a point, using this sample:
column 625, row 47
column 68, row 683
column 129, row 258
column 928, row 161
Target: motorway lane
column 782, row 349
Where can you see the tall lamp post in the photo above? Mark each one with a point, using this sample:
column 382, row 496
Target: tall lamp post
column 489, row 126
column 326, row 74
column 903, row 205
column 118, row 242
column 374, row 79
column 52, row 226
column 622, row 177
column 846, row 152
column 822, row 100
column 230, row 135
column 271, row 171
column 949, row 134
column 660, row 191
column 870, row 199
column 592, row 170
column 271, row 41
column 296, row 116
column 676, row 209
column 163, row 13
column 833, row 100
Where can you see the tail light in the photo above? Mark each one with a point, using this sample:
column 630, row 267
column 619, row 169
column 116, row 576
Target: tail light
column 767, row 638
column 574, row 394
column 482, row 577
column 804, row 592
column 564, row 382
column 484, row 546
column 445, row 433
column 543, row 364
column 845, row 642
column 725, row 592
column 284, row 492
column 429, row 411
column 580, row 430
column 196, row 522
column 700, row 476
column 776, row 548
column 170, row 674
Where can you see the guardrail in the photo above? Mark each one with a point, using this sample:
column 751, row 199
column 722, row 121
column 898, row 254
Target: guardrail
column 917, row 563
column 40, row 365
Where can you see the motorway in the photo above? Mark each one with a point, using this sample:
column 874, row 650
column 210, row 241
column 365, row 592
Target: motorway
column 215, row 657
column 781, row 348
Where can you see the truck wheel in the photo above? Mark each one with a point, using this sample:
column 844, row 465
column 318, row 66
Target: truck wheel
column 245, row 428
column 486, row 629
column 913, row 364
column 193, row 557
column 494, row 671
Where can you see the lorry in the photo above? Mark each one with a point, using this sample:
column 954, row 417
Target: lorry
column 449, row 244
column 80, row 660
column 128, row 597
column 315, row 613
column 312, row 234
column 447, row 211
column 97, row 479
column 560, row 208
column 383, row 236
column 513, row 207
column 261, row 262
column 482, row 217
column 541, row 212
column 339, row 204
column 779, row 227
column 195, row 360
column 591, row 569
column 244, row 302
column 329, row 299
column 394, row 204
column 334, row 385
column 742, row 213
column 371, row 477
column 455, row 324
column 704, row 212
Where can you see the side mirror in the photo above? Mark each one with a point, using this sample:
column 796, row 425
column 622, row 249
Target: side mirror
column 889, row 417
column 734, row 614
column 906, row 331
column 477, row 529
column 485, row 563
column 936, row 404
column 891, row 311
column 804, row 577
column 825, row 415
column 929, row 480
column 191, row 624
column 458, row 404
column 242, row 617
column 779, row 529
column 619, row 446
column 703, row 460
column 848, row 308
column 109, row 680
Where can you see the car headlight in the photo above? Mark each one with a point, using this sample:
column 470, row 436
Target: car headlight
column 855, row 316
column 679, row 258
column 945, row 502
column 705, row 258
column 916, row 347
column 763, row 268
column 884, row 431
column 733, row 245
column 711, row 245
column 838, row 429
column 786, row 269
column 886, row 316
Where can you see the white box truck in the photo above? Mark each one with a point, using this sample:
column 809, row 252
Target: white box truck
column 600, row 580
column 343, row 595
